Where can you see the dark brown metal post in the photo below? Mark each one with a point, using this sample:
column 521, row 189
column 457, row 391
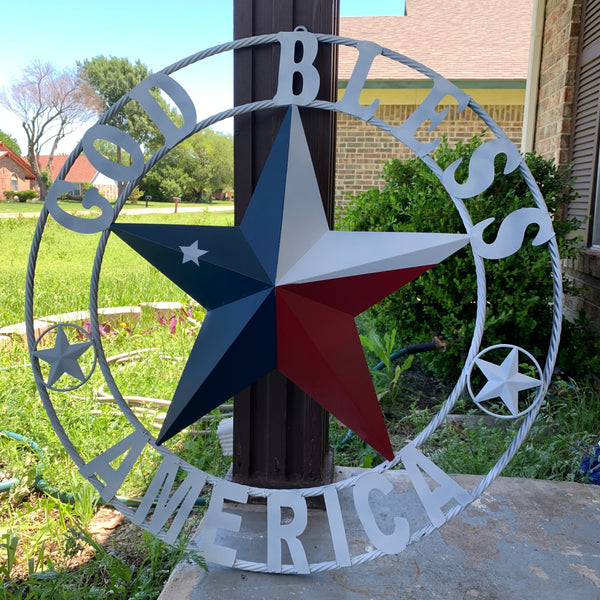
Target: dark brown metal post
column 280, row 434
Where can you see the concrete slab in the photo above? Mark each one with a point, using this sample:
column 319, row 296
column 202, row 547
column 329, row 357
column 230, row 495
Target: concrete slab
column 523, row 539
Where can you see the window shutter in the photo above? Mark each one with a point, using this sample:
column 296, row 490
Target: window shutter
column 587, row 113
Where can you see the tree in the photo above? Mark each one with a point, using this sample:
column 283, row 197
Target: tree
column 195, row 169
column 219, row 153
column 111, row 78
column 11, row 142
column 206, row 158
column 50, row 104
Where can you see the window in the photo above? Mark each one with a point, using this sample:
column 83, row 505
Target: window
column 76, row 193
column 14, row 183
column 595, row 241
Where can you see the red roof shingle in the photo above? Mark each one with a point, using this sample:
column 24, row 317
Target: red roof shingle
column 465, row 39
column 82, row 170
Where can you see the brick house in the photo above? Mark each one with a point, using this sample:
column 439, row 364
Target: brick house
column 563, row 122
column 482, row 46
column 81, row 172
column 15, row 172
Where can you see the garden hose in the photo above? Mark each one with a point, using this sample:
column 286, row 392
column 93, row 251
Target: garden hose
column 8, row 484
column 66, row 498
column 437, row 343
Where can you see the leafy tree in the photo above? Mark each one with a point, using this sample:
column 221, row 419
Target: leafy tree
column 112, row 78
column 11, row 142
column 200, row 166
column 169, row 188
column 193, row 170
column 50, row 104
column 219, row 151
column 442, row 300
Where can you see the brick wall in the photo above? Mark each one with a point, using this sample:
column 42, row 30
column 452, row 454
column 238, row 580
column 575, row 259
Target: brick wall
column 554, row 135
column 557, row 79
column 362, row 148
column 7, row 168
column 110, row 192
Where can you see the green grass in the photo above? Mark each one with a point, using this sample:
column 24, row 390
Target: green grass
column 565, row 432
column 40, row 528
column 65, row 263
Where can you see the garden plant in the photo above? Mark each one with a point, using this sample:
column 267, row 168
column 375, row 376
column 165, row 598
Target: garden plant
column 519, row 296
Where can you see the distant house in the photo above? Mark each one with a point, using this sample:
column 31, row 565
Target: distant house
column 564, row 124
column 82, row 172
column 15, row 173
column 482, row 46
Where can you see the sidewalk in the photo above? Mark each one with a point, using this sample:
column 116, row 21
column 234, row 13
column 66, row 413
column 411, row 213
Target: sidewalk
column 522, row 540
column 134, row 211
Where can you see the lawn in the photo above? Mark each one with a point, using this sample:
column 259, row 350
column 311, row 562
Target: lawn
column 38, row 533
column 48, row 548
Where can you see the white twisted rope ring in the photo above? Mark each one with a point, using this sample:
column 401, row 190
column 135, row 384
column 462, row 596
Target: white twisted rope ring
column 480, row 300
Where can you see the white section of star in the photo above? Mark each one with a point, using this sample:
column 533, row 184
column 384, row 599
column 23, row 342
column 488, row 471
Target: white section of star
column 63, row 358
column 191, row 253
column 309, row 252
column 505, row 381
column 351, row 253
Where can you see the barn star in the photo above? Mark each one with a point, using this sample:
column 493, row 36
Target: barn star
column 281, row 292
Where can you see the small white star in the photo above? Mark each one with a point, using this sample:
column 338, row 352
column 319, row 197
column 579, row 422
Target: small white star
column 505, row 381
column 63, row 358
column 191, row 253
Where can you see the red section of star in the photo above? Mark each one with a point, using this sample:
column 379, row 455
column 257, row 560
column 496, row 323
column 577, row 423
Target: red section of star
column 355, row 294
column 318, row 347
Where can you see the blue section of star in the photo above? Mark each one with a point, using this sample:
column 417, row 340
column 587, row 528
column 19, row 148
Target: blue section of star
column 234, row 279
column 229, row 269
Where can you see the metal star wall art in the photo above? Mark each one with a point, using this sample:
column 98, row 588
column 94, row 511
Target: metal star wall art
column 281, row 292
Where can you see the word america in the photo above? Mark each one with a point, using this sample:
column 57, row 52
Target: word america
column 176, row 504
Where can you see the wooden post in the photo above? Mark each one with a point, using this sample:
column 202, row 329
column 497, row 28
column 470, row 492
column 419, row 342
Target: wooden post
column 281, row 436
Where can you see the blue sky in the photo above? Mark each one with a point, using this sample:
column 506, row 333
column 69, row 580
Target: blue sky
column 156, row 32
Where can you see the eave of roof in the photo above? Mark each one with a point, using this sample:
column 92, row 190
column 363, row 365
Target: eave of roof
column 81, row 171
column 425, row 84
column 21, row 162
column 465, row 39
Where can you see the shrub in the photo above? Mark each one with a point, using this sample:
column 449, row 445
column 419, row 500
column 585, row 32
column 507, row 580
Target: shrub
column 135, row 196
column 579, row 354
column 442, row 300
column 21, row 196
column 25, row 195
